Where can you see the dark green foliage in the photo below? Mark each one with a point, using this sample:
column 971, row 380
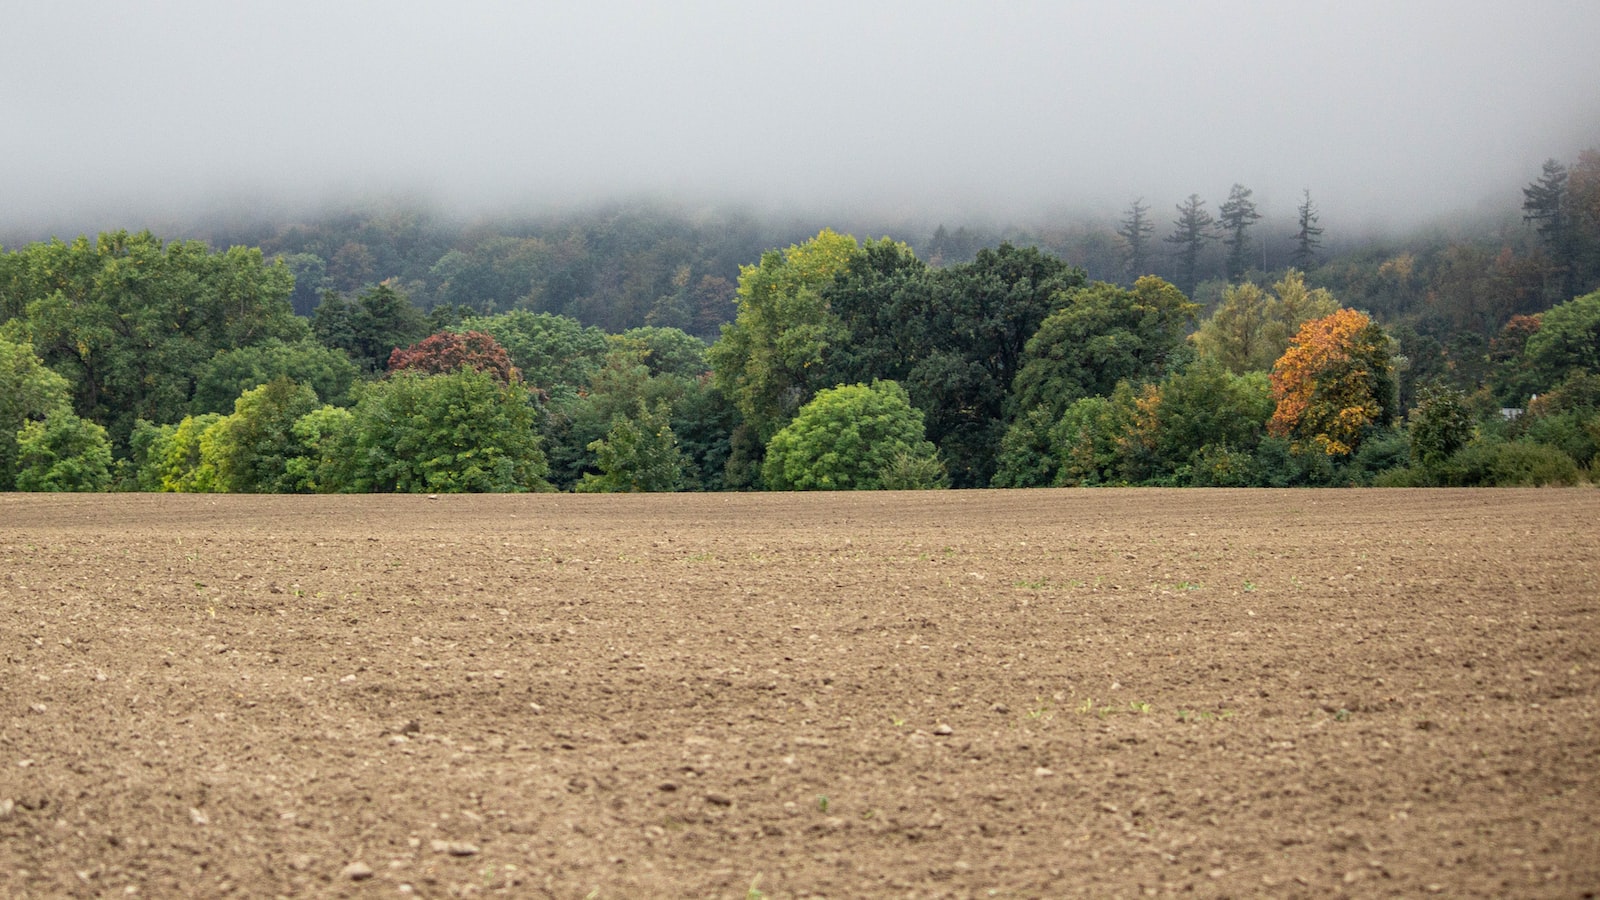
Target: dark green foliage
column 1191, row 232
column 1493, row 463
column 1512, row 382
column 982, row 316
column 556, row 355
column 1568, row 339
column 667, row 351
column 1567, row 418
column 1027, row 453
column 461, row 432
column 1136, row 230
column 1236, row 216
column 1308, row 238
column 1203, row 406
column 639, row 454
column 1386, row 449
column 705, row 423
column 230, row 373
column 1101, row 335
column 1440, row 425
column 250, row 449
column 28, row 393
column 63, row 453
column 1088, row 439
column 130, row 321
column 369, row 329
column 310, row 273
column 1202, row 424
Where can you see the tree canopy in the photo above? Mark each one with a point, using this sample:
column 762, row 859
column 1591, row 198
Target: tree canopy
column 1334, row 384
column 852, row 437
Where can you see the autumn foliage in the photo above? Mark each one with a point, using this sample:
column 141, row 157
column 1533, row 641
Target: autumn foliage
column 1333, row 384
column 448, row 351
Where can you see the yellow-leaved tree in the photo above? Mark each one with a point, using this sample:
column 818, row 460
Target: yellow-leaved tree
column 1334, row 384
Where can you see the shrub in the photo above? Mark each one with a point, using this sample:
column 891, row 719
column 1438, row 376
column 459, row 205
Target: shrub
column 1508, row 464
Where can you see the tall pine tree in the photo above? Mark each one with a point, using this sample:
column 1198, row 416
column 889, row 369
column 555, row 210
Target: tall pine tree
column 1309, row 238
column 1237, row 215
column 1545, row 206
column 1192, row 230
column 1135, row 232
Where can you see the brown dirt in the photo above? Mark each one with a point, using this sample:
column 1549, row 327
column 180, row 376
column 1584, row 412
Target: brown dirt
column 968, row 694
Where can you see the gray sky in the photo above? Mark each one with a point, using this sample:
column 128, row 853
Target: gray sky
column 1386, row 111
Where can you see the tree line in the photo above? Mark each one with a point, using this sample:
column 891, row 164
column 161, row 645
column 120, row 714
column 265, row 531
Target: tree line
column 131, row 362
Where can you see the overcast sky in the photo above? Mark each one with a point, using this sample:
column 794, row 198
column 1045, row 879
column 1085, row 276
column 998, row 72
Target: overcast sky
column 1386, row 111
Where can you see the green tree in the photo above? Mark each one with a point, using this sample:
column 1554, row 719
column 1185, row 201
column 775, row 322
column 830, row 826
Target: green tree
column 1235, row 217
column 978, row 319
column 63, row 453
column 1547, row 206
column 668, row 351
column 848, row 438
column 557, row 355
column 461, row 432
column 639, row 454
column 179, row 454
column 1102, row 334
column 768, row 360
column 310, row 273
column 1567, row 339
column 371, row 328
column 232, row 372
column 130, row 320
column 326, row 439
column 1089, row 439
column 1027, row 456
column 1251, row 328
column 1234, row 333
column 1567, row 418
column 1439, row 426
column 251, row 449
column 1193, row 414
column 574, row 422
column 29, row 391
column 1191, row 232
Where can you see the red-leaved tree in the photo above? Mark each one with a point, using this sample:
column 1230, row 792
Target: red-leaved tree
column 449, row 351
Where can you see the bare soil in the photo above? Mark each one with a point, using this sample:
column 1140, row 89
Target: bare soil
column 948, row 694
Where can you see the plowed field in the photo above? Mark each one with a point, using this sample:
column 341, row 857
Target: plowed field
column 945, row 694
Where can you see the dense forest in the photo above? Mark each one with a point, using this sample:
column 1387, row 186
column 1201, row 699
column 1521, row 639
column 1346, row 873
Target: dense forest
column 645, row 348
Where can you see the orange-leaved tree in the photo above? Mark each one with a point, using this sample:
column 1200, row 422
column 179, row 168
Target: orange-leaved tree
column 1334, row 384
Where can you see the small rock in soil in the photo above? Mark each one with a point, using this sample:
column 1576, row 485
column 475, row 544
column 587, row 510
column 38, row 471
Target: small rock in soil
column 357, row 871
column 455, row 848
column 944, row 729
